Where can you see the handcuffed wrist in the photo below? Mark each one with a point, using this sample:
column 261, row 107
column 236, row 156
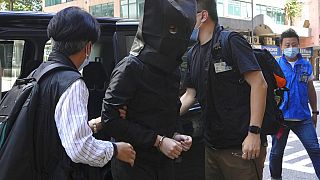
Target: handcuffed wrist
column 160, row 142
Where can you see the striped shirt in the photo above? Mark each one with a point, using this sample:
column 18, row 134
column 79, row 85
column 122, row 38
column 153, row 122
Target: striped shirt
column 71, row 117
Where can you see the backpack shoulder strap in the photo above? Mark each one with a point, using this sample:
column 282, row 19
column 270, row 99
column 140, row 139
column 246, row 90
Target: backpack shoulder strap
column 221, row 41
column 50, row 68
column 221, row 36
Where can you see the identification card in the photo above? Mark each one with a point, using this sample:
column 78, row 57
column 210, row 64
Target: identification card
column 303, row 78
column 221, row 67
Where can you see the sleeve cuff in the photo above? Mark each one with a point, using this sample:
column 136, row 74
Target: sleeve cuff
column 115, row 150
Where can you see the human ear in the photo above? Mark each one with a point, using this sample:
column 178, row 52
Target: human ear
column 204, row 16
column 88, row 48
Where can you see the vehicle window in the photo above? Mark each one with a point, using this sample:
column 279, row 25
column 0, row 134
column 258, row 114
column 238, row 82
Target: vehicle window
column 47, row 50
column 11, row 52
column 129, row 41
column 100, row 52
column 95, row 52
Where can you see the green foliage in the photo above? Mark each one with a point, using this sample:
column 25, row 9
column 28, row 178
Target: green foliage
column 22, row 5
column 293, row 9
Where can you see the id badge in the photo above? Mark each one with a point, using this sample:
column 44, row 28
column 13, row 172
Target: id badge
column 221, row 67
column 303, row 77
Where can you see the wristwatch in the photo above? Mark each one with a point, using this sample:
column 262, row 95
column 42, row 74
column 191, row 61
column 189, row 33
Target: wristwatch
column 315, row 112
column 254, row 129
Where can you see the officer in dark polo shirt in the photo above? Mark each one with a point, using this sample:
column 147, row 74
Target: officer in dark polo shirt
column 232, row 94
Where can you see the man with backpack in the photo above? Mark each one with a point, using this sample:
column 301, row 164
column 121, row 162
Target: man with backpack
column 295, row 107
column 232, row 93
column 61, row 140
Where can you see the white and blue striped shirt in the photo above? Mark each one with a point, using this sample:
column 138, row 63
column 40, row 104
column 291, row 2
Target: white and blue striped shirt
column 71, row 117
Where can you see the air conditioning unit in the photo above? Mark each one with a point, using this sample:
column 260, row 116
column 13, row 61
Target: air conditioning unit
column 248, row 38
column 268, row 41
column 255, row 40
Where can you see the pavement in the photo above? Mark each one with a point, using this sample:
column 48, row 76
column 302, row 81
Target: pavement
column 296, row 162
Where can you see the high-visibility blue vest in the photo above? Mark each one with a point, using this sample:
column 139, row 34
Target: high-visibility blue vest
column 295, row 105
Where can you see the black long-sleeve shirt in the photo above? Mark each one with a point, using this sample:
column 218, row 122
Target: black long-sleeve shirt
column 151, row 97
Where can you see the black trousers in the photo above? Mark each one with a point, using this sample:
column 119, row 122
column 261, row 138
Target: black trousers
column 141, row 170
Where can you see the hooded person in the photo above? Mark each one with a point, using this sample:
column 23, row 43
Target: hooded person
column 147, row 83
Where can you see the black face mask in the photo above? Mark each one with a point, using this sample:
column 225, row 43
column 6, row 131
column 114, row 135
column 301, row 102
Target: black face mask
column 165, row 29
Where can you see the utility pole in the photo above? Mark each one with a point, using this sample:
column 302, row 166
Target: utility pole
column 252, row 27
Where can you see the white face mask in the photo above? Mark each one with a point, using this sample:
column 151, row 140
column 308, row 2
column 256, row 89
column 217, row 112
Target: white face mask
column 85, row 62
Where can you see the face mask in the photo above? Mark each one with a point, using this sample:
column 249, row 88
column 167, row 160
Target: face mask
column 86, row 62
column 195, row 35
column 291, row 52
column 194, row 38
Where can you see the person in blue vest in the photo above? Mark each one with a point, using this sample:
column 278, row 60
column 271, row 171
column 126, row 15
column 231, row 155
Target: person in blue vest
column 295, row 108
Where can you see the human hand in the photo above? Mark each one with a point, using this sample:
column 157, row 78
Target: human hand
column 126, row 152
column 95, row 124
column 315, row 119
column 186, row 141
column 251, row 146
column 171, row 148
column 92, row 121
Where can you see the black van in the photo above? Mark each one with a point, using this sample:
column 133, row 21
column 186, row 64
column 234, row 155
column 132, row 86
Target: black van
column 24, row 45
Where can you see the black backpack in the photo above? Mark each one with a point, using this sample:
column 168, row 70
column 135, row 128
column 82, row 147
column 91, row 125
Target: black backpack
column 17, row 119
column 273, row 117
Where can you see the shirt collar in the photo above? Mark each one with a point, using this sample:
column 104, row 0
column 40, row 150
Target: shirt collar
column 300, row 58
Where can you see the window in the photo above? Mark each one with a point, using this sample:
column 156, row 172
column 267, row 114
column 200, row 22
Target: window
column 64, row 1
column 140, row 8
column 246, row 10
column 132, row 9
column 239, row 8
column 220, row 8
column 10, row 59
column 107, row 9
column 234, row 8
column 52, row 2
column 276, row 14
column 102, row 10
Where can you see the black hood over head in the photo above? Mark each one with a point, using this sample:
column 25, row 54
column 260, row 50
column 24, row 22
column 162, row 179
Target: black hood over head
column 164, row 32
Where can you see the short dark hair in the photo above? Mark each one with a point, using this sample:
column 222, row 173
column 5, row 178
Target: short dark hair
column 71, row 29
column 210, row 6
column 289, row 34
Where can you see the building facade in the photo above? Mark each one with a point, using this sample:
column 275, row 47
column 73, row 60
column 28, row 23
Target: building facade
column 267, row 24
column 134, row 8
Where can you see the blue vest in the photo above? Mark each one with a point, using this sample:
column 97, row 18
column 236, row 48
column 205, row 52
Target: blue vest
column 295, row 105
